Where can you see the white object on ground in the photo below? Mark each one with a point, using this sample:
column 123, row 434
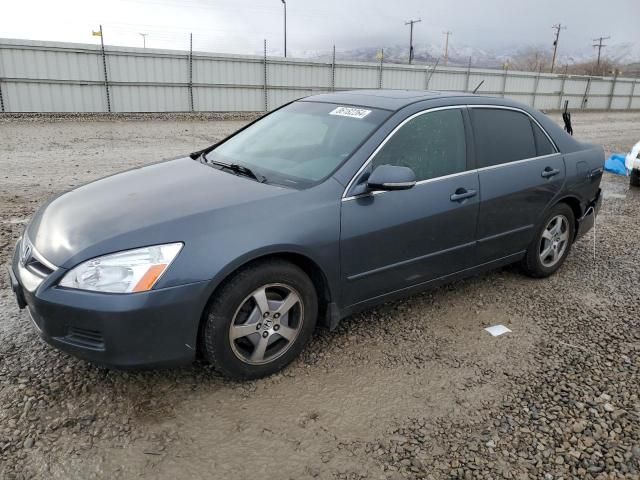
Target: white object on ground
column 620, row 196
column 496, row 330
column 632, row 160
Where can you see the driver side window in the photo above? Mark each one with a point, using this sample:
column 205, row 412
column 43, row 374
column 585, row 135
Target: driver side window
column 432, row 145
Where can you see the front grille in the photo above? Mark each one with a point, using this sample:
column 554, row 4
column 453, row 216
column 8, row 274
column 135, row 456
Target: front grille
column 39, row 268
column 33, row 261
column 85, row 338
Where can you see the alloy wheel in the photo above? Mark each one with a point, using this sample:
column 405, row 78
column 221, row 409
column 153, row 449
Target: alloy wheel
column 266, row 324
column 554, row 241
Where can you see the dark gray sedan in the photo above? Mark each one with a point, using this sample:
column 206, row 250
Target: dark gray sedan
column 326, row 206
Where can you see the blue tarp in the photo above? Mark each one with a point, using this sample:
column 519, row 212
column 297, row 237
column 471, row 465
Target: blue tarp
column 615, row 164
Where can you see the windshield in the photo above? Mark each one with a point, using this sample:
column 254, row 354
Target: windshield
column 301, row 143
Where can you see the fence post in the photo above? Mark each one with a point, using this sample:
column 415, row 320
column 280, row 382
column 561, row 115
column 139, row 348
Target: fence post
column 1, row 97
column 466, row 88
column 380, row 71
column 633, row 92
column 191, row 72
column 104, row 65
column 333, row 70
column 535, row 87
column 266, row 100
column 613, row 87
column 504, row 80
column 564, row 79
column 426, row 86
column 586, row 93
column 2, row 108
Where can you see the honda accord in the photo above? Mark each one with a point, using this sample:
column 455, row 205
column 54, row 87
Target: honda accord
column 323, row 207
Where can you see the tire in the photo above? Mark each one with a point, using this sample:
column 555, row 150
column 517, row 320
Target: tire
column 539, row 261
column 244, row 332
column 634, row 178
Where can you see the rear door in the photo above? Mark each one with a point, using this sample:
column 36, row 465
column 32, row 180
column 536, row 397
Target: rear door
column 397, row 239
column 520, row 172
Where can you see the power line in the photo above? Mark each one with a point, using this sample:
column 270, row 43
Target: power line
column 410, row 23
column 229, row 6
column 446, row 45
column 557, row 28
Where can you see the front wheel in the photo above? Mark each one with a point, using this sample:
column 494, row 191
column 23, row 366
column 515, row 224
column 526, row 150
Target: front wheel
column 260, row 320
column 551, row 244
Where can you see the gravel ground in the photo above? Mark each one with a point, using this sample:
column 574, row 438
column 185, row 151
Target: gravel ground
column 412, row 389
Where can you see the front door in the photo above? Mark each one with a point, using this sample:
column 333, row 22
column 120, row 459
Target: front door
column 397, row 239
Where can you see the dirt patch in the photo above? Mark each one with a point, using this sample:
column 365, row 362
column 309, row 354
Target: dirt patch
column 410, row 389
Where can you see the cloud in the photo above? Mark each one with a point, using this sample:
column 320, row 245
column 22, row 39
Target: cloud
column 239, row 26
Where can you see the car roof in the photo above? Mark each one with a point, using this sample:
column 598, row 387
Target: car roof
column 395, row 100
column 387, row 99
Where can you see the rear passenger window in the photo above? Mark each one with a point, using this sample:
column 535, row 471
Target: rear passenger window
column 502, row 136
column 432, row 145
column 543, row 145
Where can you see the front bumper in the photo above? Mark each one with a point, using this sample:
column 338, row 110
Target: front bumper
column 588, row 220
column 148, row 329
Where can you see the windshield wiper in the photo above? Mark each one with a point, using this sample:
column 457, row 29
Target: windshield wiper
column 236, row 168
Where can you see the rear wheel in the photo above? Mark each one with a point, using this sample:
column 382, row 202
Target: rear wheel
column 551, row 244
column 634, row 179
column 260, row 320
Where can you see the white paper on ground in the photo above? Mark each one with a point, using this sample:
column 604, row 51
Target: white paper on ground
column 496, row 330
column 621, row 196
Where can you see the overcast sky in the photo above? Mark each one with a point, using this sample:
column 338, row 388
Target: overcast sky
column 238, row 26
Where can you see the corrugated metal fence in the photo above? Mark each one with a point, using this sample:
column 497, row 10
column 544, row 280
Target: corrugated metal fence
column 67, row 77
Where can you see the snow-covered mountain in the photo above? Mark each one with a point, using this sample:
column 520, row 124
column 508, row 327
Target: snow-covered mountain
column 622, row 53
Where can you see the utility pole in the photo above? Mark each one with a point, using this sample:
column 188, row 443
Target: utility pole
column 446, row 46
column 285, row 27
column 191, row 72
column 144, row 39
column 104, row 66
column 381, row 55
column 557, row 27
column 599, row 46
column 410, row 23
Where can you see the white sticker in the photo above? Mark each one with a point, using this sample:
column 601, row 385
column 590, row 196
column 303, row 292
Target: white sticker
column 350, row 112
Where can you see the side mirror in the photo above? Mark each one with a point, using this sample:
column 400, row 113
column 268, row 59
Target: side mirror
column 391, row 177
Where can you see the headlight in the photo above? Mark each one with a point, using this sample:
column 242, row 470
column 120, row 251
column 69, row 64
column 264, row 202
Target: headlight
column 123, row 272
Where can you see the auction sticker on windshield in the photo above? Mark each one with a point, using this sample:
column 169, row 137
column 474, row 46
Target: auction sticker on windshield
column 350, row 112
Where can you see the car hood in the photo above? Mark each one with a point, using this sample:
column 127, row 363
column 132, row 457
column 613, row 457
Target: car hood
column 154, row 204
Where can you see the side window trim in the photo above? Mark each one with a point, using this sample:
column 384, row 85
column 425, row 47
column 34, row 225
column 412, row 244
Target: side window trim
column 392, row 133
column 472, row 163
column 515, row 162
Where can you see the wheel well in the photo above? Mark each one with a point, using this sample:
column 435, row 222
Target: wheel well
column 307, row 265
column 316, row 275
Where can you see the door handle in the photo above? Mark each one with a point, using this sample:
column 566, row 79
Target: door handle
column 549, row 172
column 595, row 173
column 462, row 194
